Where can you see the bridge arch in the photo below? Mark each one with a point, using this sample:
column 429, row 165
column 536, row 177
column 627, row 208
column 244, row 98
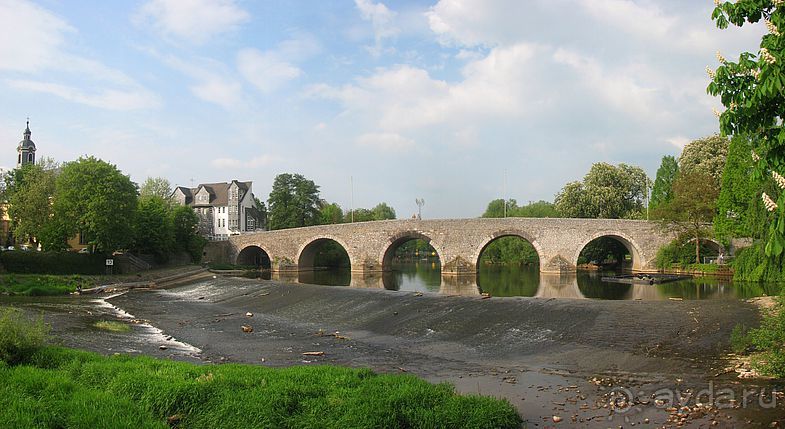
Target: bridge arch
column 507, row 233
column 255, row 255
column 638, row 260
column 397, row 239
column 306, row 254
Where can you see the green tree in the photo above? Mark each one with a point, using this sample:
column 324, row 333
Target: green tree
column 331, row 214
column 154, row 228
column 706, row 156
column 662, row 192
column 156, row 187
column 692, row 207
column 383, row 212
column 496, row 208
column 30, row 191
column 536, row 209
column 95, row 198
column 358, row 215
column 185, row 225
column 607, row 191
column 294, row 202
column 262, row 209
column 752, row 89
column 740, row 212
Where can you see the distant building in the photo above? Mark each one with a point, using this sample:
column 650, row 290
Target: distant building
column 26, row 149
column 224, row 209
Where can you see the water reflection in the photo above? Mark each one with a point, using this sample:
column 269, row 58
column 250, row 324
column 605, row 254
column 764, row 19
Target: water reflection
column 499, row 280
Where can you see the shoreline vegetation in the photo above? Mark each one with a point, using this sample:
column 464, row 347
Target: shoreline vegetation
column 51, row 387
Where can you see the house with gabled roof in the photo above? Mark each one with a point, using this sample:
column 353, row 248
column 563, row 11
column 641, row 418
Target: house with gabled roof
column 224, row 209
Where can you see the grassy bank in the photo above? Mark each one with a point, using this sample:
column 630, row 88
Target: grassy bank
column 52, row 387
column 40, row 285
column 766, row 343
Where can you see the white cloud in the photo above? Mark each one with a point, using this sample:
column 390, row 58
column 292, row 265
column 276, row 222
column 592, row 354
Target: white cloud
column 255, row 162
column 267, row 71
column 30, row 36
column 33, row 40
column 644, row 20
column 110, row 99
column 387, row 142
column 382, row 19
column 213, row 80
column 678, row 141
column 406, row 97
column 195, row 21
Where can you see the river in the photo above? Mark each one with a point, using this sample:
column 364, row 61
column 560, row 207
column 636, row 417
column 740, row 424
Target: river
column 526, row 280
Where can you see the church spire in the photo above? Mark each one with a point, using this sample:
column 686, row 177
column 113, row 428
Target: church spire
column 27, row 130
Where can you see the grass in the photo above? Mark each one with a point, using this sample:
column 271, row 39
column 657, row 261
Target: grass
column 40, row 285
column 766, row 343
column 54, row 387
column 110, row 325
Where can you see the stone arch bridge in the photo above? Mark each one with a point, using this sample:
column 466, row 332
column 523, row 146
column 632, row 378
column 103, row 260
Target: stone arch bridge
column 458, row 242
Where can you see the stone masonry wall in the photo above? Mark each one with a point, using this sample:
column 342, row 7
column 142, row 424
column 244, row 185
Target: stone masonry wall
column 458, row 242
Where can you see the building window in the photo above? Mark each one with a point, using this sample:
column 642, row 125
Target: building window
column 20, row 159
column 30, row 157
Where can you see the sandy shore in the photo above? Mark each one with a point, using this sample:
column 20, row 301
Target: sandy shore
column 578, row 360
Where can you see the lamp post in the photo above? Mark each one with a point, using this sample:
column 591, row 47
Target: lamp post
column 420, row 202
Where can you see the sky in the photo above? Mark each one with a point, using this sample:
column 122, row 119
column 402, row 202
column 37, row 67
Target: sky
column 457, row 102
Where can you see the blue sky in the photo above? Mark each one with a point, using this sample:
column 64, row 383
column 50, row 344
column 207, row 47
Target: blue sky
column 412, row 99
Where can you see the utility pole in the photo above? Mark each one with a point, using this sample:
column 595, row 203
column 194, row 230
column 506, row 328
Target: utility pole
column 351, row 201
column 504, row 191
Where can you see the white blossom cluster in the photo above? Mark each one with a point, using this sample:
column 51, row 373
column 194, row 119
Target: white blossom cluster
column 716, row 112
column 755, row 156
column 767, row 56
column 776, row 2
column 779, row 179
column 720, row 58
column 771, row 27
column 768, row 202
column 710, row 72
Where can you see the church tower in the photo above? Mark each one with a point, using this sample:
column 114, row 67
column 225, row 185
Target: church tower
column 26, row 149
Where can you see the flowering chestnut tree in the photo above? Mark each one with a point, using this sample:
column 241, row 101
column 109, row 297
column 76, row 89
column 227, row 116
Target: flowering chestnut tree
column 752, row 90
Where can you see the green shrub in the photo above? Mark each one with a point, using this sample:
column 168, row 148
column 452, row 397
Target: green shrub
column 740, row 340
column 19, row 338
column 52, row 262
column 769, row 338
column 751, row 264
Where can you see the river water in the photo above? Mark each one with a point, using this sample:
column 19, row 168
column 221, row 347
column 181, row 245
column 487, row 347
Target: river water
column 517, row 280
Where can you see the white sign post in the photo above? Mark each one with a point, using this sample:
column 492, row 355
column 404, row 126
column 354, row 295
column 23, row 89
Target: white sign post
column 109, row 265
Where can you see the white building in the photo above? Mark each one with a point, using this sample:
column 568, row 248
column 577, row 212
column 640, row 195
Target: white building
column 224, row 209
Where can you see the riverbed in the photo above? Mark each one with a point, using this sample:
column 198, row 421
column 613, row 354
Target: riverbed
column 569, row 358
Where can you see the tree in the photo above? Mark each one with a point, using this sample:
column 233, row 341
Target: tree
column 740, row 211
column 496, row 208
column 331, row 214
column 662, row 192
column 154, row 228
column 156, row 187
column 185, row 225
column 692, row 207
column 30, row 191
column 262, row 209
column 294, row 202
column 706, row 156
column 358, row 215
column 753, row 93
column 95, row 198
column 383, row 212
column 536, row 209
column 607, row 191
